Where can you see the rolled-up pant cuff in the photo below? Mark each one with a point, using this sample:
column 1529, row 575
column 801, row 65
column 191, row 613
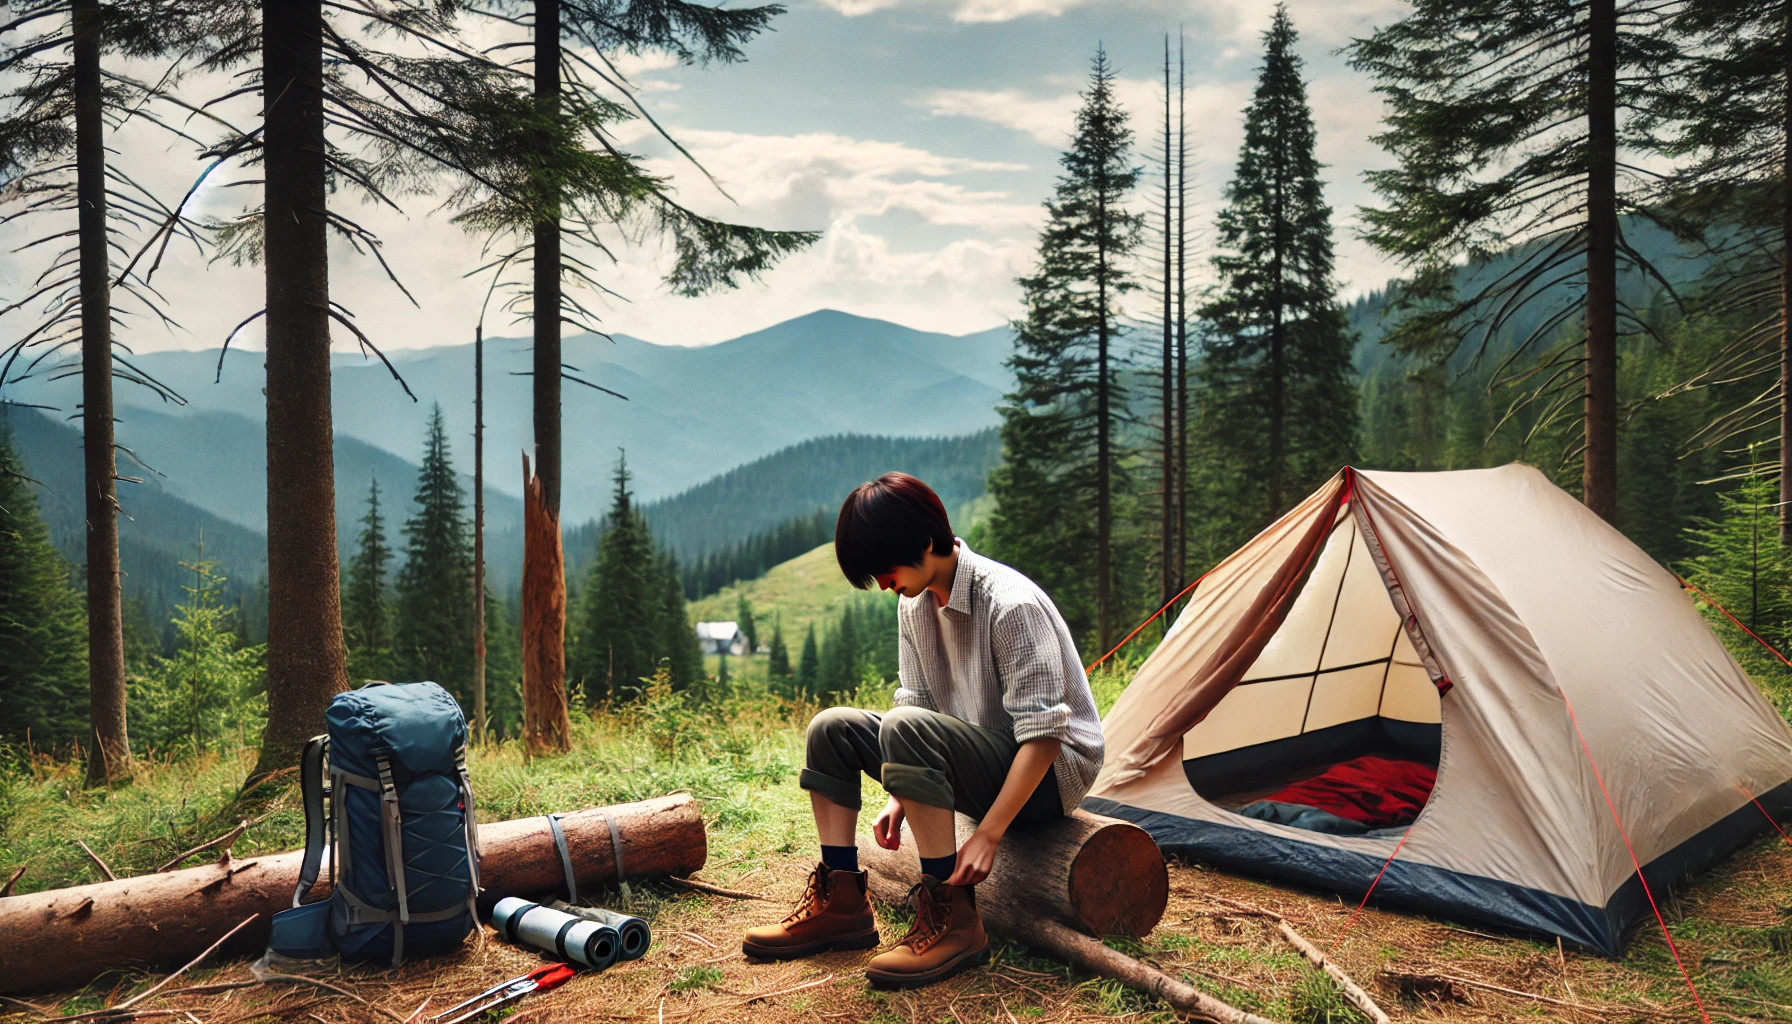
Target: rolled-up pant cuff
column 840, row 791
column 922, row 785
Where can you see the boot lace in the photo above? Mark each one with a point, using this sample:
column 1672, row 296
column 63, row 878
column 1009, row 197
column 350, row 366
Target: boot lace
column 933, row 916
column 814, row 896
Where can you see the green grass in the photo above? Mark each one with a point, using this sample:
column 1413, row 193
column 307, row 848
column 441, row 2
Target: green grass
column 739, row 755
column 694, row 979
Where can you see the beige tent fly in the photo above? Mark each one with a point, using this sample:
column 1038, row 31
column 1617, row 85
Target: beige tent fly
column 1577, row 710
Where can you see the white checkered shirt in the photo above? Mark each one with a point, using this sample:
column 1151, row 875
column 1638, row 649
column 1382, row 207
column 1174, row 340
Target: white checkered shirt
column 1019, row 666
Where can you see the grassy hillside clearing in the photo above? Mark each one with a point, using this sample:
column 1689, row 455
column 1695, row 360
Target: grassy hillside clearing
column 807, row 589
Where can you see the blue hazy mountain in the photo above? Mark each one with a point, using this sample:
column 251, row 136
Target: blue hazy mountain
column 691, row 413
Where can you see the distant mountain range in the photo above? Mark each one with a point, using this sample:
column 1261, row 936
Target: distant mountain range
column 691, row 413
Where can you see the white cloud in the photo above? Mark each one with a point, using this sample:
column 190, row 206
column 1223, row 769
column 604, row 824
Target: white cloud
column 803, row 181
column 976, row 11
column 858, row 8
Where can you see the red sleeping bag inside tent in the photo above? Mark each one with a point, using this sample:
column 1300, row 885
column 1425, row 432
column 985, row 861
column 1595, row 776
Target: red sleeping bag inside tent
column 1380, row 792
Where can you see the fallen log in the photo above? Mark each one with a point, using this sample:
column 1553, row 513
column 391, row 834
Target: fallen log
column 1100, row 875
column 66, row 937
column 1048, row 879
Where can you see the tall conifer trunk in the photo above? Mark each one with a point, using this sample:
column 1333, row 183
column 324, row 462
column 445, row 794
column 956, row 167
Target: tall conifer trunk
column 1599, row 478
column 1786, row 287
column 479, row 532
column 544, row 577
column 1181, row 312
column 1166, row 587
column 111, row 747
column 306, row 662
column 1278, row 334
column 1104, row 567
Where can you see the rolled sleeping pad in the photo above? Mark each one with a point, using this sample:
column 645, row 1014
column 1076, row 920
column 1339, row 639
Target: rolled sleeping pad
column 580, row 940
column 635, row 934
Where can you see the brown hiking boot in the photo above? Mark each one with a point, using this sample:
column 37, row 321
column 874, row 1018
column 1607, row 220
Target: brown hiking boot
column 947, row 937
column 833, row 914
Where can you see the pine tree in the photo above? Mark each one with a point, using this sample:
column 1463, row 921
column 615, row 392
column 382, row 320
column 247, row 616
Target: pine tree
column 549, row 174
column 1055, row 491
column 503, row 669
column 1504, row 121
column 1278, row 407
column 808, row 669
column 676, row 643
column 777, row 662
column 56, row 161
column 615, row 647
column 366, row 606
column 1741, row 563
column 633, row 615
column 1727, row 122
column 208, row 689
column 744, row 613
column 43, row 630
column 433, row 638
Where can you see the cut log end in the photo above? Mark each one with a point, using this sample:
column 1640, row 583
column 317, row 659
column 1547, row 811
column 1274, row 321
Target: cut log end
column 1118, row 883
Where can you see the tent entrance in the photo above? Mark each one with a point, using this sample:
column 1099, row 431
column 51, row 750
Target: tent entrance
column 1336, row 726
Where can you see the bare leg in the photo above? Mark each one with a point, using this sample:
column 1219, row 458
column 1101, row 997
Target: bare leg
column 834, row 824
column 934, row 828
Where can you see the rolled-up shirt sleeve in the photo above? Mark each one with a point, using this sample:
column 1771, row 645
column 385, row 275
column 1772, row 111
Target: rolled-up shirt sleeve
column 1031, row 666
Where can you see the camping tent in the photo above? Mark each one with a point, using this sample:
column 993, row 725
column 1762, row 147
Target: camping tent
column 1576, row 707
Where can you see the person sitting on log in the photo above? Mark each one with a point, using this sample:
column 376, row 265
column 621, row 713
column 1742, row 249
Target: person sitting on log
column 993, row 718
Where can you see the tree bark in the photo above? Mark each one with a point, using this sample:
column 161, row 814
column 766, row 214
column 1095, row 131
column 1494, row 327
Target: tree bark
column 544, row 579
column 110, row 751
column 546, row 726
column 1031, row 895
column 1786, row 289
column 1104, row 559
column 306, row 659
column 1181, row 315
column 479, row 533
column 66, row 937
column 1096, row 874
column 1166, row 581
column 1599, row 474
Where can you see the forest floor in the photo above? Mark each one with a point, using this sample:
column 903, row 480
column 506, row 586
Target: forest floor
column 1732, row 926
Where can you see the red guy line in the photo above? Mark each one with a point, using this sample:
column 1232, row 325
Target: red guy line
column 1769, row 817
column 1372, row 885
column 1703, row 1015
column 1147, row 622
column 1708, row 599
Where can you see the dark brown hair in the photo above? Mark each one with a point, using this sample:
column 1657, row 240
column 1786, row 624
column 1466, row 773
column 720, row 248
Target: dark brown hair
column 891, row 521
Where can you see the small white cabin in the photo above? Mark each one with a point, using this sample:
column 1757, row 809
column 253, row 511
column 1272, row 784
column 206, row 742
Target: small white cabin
column 721, row 638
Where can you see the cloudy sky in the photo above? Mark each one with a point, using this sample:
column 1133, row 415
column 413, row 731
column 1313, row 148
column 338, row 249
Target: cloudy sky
column 919, row 136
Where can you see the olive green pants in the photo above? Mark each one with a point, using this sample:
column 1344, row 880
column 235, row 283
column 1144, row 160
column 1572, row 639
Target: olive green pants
column 918, row 755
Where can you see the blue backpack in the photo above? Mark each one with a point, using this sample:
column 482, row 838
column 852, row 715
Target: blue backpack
column 403, row 844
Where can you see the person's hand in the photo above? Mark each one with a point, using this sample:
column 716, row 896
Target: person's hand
column 975, row 858
column 887, row 829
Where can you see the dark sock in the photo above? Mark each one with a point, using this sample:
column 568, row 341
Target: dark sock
column 840, row 858
column 940, row 868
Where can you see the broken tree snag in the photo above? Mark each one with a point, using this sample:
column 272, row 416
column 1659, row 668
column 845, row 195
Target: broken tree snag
column 1019, row 911
column 66, row 937
column 1101, row 875
column 546, row 727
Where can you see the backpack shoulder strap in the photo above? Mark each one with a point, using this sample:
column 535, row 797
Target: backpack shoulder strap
column 311, row 783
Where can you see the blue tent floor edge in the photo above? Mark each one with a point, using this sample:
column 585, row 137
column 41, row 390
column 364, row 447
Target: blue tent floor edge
column 1453, row 895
